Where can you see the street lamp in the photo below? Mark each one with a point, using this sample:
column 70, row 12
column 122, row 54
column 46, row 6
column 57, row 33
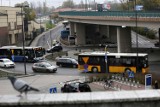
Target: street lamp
column 135, row 3
column 40, row 22
column 25, row 4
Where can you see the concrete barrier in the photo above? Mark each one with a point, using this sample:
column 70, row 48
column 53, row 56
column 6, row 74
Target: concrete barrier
column 140, row 98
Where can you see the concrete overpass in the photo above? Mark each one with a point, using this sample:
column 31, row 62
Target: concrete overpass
column 114, row 26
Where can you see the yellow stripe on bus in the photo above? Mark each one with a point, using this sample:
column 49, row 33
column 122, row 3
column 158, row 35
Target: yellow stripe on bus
column 120, row 69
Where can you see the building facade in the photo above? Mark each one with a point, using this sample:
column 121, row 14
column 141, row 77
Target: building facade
column 11, row 26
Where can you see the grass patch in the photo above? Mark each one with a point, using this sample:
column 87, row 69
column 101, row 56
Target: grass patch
column 4, row 73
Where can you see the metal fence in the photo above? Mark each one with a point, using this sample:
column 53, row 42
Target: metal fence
column 111, row 13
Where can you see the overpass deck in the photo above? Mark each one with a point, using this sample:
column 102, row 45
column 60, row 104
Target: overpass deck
column 112, row 15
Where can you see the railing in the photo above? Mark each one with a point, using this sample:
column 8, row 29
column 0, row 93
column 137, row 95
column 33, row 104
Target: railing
column 111, row 13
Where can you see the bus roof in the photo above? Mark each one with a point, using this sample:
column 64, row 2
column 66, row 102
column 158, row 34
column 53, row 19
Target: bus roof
column 102, row 53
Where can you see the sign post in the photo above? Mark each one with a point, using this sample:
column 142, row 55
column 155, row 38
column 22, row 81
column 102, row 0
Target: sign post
column 106, row 58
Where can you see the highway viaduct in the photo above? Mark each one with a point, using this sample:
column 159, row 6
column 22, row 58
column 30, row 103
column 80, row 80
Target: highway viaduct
column 94, row 27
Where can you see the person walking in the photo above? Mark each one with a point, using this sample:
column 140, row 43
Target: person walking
column 156, row 85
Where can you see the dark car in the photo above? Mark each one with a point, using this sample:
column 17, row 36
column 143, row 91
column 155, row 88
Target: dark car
column 55, row 48
column 66, row 62
column 44, row 67
column 156, row 44
column 75, row 87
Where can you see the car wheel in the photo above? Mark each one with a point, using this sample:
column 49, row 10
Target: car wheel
column 74, row 66
column 5, row 66
column 54, row 71
column 95, row 69
column 127, row 70
column 35, row 70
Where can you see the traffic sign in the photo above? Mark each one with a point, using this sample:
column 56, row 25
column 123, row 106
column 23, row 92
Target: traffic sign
column 131, row 74
column 53, row 90
column 85, row 59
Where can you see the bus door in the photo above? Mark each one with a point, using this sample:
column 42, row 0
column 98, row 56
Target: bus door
column 104, row 65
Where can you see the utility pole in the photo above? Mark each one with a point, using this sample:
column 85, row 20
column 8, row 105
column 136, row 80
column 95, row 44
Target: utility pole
column 95, row 5
column 135, row 3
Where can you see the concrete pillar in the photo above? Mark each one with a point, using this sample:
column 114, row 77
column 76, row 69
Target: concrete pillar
column 80, row 31
column 124, row 39
column 13, row 39
column 72, row 28
column 103, row 29
column 112, row 34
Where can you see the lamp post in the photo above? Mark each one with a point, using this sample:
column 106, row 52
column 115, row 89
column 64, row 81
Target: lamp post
column 135, row 3
column 23, row 36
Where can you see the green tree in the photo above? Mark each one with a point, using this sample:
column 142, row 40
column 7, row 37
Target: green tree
column 151, row 4
column 147, row 4
column 29, row 12
column 68, row 4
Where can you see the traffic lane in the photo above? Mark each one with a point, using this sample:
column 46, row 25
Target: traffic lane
column 47, row 38
column 19, row 68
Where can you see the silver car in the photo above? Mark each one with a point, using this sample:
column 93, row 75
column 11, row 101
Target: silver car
column 6, row 63
column 44, row 67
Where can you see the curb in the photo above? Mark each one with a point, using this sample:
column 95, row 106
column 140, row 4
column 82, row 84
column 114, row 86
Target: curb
column 6, row 73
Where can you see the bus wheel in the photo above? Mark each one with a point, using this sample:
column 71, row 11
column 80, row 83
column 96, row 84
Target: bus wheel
column 95, row 69
column 74, row 66
column 127, row 70
column 60, row 65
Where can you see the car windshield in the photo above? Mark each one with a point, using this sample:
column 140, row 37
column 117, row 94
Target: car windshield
column 7, row 60
column 47, row 64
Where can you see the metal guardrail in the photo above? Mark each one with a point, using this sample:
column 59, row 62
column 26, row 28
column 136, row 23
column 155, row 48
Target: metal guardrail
column 111, row 13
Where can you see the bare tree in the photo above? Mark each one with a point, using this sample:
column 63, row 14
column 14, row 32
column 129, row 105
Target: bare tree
column 68, row 3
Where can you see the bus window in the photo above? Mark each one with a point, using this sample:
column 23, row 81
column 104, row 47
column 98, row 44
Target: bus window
column 18, row 52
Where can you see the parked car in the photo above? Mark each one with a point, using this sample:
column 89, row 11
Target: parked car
column 66, row 62
column 75, row 87
column 44, row 67
column 55, row 48
column 6, row 63
column 156, row 44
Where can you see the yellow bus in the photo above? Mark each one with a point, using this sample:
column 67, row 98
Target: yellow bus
column 113, row 62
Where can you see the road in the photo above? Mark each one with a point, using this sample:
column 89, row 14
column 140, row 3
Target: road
column 46, row 39
column 142, row 41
